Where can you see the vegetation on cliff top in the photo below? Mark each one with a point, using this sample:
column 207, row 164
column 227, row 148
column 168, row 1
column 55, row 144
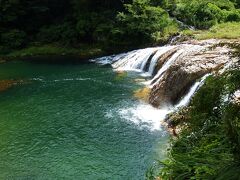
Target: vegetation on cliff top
column 108, row 26
column 229, row 30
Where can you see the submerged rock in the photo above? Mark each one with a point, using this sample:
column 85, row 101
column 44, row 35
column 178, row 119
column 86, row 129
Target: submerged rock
column 143, row 94
column 120, row 75
column 6, row 84
column 2, row 61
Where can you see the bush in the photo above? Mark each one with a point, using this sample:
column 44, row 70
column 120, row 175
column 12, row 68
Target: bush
column 233, row 15
column 208, row 144
column 205, row 13
column 64, row 33
column 94, row 27
column 144, row 22
column 12, row 39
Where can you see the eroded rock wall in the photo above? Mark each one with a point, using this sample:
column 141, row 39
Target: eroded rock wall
column 199, row 58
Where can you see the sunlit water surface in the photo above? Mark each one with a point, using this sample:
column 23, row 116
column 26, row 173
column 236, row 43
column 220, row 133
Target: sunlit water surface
column 75, row 122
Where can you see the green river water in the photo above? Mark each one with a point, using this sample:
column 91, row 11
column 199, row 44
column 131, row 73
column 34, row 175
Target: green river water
column 75, row 122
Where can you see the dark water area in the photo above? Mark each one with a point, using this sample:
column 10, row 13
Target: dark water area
column 74, row 122
column 54, row 59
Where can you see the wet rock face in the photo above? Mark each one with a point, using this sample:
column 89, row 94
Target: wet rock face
column 198, row 59
column 174, row 84
column 166, row 56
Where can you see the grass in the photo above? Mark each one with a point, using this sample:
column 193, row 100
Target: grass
column 230, row 30
column 84, row 51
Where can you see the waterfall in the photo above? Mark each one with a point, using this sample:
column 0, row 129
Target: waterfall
column 167, row 72
column 135, row 61
column 155, row 58
column 187, row 98
column 138, row 60
column 145, row 61
column 165, row 67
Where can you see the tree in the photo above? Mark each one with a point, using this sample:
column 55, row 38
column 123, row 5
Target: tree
column 144, row 22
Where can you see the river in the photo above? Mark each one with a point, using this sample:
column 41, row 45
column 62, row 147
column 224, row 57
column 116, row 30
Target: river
column 78, row 121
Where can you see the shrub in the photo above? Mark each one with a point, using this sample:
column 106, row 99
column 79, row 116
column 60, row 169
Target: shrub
column 13, row 38
column 64, row 33
column 205, row 13
column 144, row 22
column 208, row 144
column 233, row 15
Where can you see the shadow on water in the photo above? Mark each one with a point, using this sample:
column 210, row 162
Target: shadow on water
column 57, row 59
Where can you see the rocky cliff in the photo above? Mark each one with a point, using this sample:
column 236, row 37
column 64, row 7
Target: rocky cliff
column 173, row 70
column 198, row 59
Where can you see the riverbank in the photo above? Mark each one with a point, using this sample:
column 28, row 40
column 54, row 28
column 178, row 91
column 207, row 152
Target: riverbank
column 224, row 31
column 84, row 52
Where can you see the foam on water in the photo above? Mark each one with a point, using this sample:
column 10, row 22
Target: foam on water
column 60, row 80
column 144, row 116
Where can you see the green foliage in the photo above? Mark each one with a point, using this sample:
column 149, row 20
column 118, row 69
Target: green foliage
column 12, row 39
column 64, row 33
column 229, row 30
column 205, row 13
column 94, row 27
column 145, row 23
column 116, row 24
column 10, row 11
column 208, row 145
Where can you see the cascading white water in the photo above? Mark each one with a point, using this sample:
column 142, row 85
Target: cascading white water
column 165, row 67
column 155, row 58
column 187, row 98
column 135, row 61
column 144, row 113
column 138, row 60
